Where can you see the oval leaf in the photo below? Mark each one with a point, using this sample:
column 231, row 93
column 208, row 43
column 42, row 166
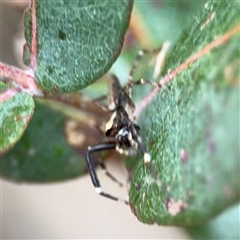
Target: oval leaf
column 192, row 129
column 43, row 154
column 77, row 41
column 225, row 226
column 15, row 114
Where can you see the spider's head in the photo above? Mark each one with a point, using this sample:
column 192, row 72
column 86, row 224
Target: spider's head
column 123, row 136
column 128, row 135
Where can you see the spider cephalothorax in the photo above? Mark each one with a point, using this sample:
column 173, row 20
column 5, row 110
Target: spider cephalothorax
column 121, row 125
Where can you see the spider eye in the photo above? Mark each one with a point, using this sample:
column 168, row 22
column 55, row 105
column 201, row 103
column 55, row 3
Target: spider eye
column 123, row 136
column 123, row 133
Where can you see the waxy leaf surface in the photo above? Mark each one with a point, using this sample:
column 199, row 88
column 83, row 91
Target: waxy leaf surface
column 43, row 154
column 77, row 41
column 14, row 117
column 192, row 127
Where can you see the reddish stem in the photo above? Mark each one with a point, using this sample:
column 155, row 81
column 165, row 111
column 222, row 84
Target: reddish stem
column 8, row 93
column 216, row 43
column 33, row 63
column 20, row 79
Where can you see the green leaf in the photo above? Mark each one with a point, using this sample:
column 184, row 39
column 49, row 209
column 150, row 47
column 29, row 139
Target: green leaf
column 225, row 226
column 171, row 16
column 192, row 128
column 77, row 41
column 42, row 154
column 14, row 117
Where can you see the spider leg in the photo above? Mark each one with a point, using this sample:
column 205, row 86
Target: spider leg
column 105, row 170
column 146, row 81
column 139, row 56
column 98, row 101
column 94, row 177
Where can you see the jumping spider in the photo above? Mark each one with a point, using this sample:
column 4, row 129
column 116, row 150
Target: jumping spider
column 121, row 129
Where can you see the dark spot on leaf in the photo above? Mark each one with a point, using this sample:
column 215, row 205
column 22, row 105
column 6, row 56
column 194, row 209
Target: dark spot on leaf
column 62, row 35
column 212, row 147
column 139, row 186
column 50, row 70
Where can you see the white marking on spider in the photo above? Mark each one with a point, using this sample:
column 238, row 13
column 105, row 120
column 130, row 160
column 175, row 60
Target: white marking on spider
column 110, row 122
column 98, row 190
column 147, row 158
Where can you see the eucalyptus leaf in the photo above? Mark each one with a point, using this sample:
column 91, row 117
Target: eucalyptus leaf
column 14, row 117
column 43, row 154
column 192, row 128
column 77, row 41
column 225, row 226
